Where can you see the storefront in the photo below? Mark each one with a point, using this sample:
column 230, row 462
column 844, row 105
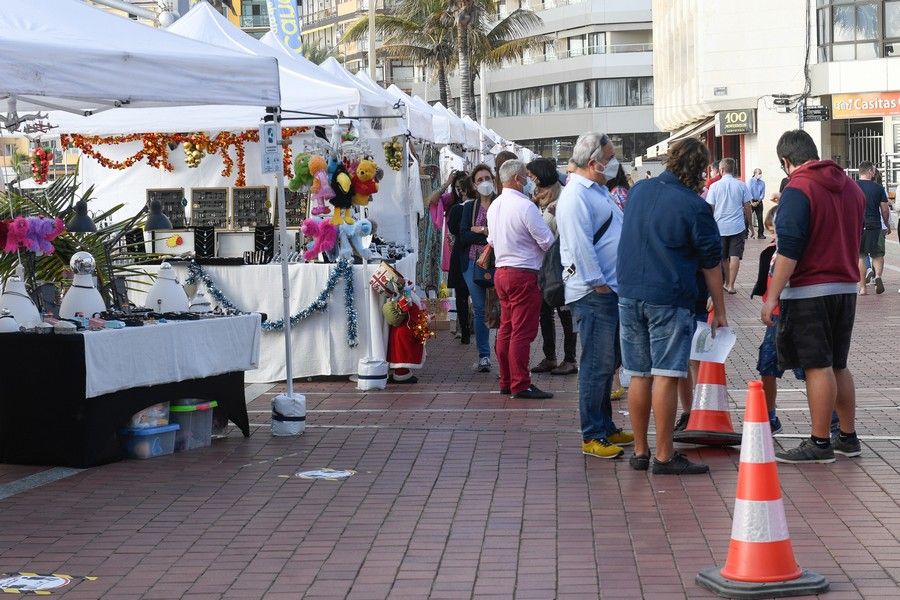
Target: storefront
column 866, row 127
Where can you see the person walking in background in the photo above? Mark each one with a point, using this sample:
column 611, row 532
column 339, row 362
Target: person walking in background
column 590, row 224
column 876, row 227
column 501, row 158
column 818, row 230
column 730, row 199
column 473, row 230
column 713, row 176
column 668, row 235
column 618, row 188
column 519, row 237
column 757, row 195
column 445, row 207
column 543, row 172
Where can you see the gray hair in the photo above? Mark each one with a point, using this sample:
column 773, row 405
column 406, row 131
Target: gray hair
column 510, row 170
column 589, row 146
column 727, row 165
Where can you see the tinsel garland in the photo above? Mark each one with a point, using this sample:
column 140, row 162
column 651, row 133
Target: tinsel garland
column 343, row 269
column 155, row 148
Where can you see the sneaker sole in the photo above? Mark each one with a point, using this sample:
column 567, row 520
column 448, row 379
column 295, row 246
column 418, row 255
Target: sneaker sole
column 622, row 444
column 599, row 456
column 850, row 454
column 821, row 461
column 776, row 431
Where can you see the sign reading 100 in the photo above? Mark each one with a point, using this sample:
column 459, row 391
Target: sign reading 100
column 735, row 122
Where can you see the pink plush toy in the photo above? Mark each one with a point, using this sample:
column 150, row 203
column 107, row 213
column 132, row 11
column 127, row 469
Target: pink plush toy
column 41, row 233
column 17, row 234
column 323, row 234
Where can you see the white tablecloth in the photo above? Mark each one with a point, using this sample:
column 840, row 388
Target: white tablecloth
column 118, row 359
column 319, row 342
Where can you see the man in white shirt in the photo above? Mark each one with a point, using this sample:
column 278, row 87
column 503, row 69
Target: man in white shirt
column 730, row 199
column 519, row 236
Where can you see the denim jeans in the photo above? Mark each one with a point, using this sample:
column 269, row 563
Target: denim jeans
column 597, row 319
column 656, row 339
column 482, row 333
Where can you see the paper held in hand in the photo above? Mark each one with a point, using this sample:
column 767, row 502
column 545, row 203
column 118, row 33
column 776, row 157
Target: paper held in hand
column 706, row 348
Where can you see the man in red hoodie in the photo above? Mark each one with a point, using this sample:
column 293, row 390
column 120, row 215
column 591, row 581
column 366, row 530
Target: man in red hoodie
column 818, row 227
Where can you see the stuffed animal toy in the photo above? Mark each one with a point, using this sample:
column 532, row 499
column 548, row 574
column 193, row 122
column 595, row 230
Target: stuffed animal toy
column 351, row 239
column 41, row 233
column 16, row 235
column 302, row 176
column 342, row 185
column 321, row 189
column 364, row 184
column 323, row 234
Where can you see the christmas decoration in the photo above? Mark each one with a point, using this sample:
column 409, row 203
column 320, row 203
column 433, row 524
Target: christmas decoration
column 155, row 149
column 420, row 329
column 40, row 164
column 343, row 269
column 393, row 153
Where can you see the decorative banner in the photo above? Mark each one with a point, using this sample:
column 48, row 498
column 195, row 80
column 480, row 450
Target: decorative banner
column 38, row 584
column 876, row 104
column 284, row 20
column 329, row 474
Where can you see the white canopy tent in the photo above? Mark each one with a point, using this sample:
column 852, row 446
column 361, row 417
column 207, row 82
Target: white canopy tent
column 455, row 125
column 418, row 120
column 65, row 55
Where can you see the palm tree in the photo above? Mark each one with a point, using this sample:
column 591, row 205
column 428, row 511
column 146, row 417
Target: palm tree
column 318, row 53
column 420, row 31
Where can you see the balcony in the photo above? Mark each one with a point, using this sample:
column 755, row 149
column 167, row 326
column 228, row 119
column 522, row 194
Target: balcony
column 251, row 21
column 575, row 53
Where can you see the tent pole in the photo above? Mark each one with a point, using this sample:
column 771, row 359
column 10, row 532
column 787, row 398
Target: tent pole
column 285, row 275
column 372, row 40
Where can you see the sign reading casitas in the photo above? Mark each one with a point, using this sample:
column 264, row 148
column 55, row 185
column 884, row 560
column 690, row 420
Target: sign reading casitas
column 875, row 104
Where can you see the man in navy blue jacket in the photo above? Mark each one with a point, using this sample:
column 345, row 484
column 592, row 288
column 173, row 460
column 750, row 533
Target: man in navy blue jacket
column 668, row 234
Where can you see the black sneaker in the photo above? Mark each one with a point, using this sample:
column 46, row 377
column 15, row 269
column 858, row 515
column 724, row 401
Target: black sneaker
column 848, row 448
column 681, row 425
column 678, row 465
column 505, row 392
column 533, row 393
column 879, row 285
column 639, row 462
column 806, row 452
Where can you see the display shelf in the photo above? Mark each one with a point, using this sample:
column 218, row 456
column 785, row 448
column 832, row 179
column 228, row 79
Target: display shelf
column 295, row 206
column 209, row 206
column 172, row 204
column 248, row 206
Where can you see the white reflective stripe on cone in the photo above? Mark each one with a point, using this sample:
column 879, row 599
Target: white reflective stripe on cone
column 710, row 396
column 756, row 444
column 759, row 521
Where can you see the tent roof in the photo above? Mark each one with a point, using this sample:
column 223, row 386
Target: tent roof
column 418, row 121
column 70, row 56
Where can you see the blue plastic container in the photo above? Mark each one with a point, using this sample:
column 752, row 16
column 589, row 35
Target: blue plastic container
column 149, row 442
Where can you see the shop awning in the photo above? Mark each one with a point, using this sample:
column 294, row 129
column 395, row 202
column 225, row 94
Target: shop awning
column 694, row 129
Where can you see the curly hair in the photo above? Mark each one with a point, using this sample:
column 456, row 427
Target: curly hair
column 688, row 159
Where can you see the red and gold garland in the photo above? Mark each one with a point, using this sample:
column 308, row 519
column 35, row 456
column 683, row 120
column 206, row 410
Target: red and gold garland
column 155, row 148
column 40, row 164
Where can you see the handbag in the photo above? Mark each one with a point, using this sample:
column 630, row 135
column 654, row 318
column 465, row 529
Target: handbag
column 491, row 309
column 483, row 270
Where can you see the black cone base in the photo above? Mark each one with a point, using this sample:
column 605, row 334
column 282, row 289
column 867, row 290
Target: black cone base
column 807, row 584
column 708, row 438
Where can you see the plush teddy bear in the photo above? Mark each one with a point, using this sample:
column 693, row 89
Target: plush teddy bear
column 16, row 235
column 342, row 185
column 41, row 233
column 302, row 176
column 351, row 239
column 321, row 188
column 323, row 234
column 364, row 184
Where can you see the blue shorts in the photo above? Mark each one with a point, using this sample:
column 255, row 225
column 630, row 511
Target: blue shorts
column 656, row 339
column 767, row 364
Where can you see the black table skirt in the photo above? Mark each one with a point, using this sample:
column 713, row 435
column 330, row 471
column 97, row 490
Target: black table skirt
column 45, row 418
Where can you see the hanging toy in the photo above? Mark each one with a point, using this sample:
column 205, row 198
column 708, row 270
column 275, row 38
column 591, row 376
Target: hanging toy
column 364, row 184
column 323, row 234
column 41, row 233
column 302, row 176
column 342, row 185
column 321, row 188
column 351, row 239
column 16, row 234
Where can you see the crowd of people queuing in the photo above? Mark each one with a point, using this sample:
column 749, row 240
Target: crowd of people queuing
column 643, row 262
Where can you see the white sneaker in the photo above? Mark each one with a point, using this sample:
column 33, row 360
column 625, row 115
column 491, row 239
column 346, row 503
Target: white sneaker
column 484, row 365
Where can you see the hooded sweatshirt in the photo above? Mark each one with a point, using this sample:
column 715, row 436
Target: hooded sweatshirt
column 819, row 224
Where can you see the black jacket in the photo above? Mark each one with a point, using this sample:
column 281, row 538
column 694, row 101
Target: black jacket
column 455, row 275
column 467, row 237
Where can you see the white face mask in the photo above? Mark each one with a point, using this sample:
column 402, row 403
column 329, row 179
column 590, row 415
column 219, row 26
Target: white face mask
column 528, row 187
column 485, row 188
column 611, row 169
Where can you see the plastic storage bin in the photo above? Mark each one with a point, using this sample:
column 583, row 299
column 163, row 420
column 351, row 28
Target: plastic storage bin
column 152, row 416
column 196, row 425
column 149, row 442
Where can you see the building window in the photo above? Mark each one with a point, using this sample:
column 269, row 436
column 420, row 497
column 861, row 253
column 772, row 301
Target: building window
column 254, row 13
column 576, row 95
column 576, row 45
column 597, row 43
column 857, row 29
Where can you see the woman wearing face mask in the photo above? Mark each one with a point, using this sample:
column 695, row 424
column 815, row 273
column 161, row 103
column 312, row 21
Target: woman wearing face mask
column 543, row 172
column 473, row 229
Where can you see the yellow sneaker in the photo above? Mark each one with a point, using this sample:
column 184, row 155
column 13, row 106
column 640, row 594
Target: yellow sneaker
column 617, row 394
column 621, row 438
column 601, row 449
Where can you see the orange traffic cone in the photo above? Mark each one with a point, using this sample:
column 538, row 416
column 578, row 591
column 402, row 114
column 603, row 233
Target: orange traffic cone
column 760, row 560
column 710, row 421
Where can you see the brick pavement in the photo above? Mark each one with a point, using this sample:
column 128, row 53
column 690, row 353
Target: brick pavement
column 460, row 493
